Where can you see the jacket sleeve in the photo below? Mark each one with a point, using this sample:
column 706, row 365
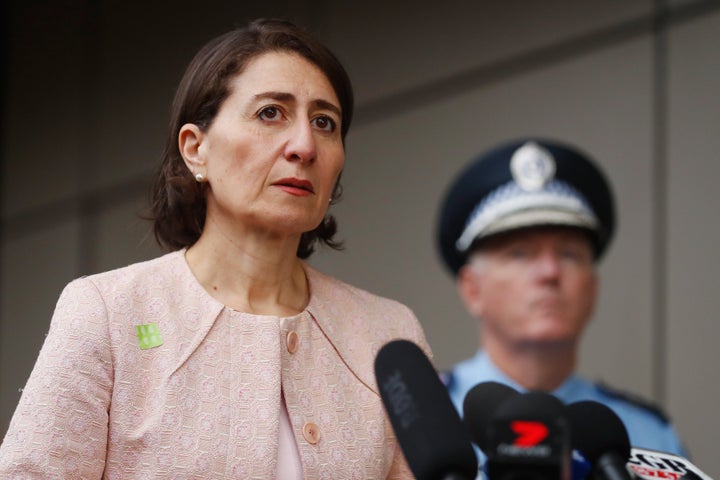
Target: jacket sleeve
column 60, row 426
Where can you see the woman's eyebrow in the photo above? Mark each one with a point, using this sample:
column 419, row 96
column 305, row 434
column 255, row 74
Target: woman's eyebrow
column 282, row 96
column 328, row 106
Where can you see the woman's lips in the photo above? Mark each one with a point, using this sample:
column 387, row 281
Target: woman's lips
column 295, row 186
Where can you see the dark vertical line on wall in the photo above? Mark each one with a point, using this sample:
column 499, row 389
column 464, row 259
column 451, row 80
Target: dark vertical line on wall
column 659, row 202
column 89, row 101
column 4, row 73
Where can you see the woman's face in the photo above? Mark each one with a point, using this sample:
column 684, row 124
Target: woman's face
column 274, row 152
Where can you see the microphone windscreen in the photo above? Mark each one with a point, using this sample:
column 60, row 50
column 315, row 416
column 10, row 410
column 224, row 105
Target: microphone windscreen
column 597, row 430
column 428, row 428
column 479, row 407
column 531, row 405
column 529, row 438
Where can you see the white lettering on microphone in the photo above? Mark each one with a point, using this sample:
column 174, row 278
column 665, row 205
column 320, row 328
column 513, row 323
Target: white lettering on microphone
column 537, row 451
column 403, row 404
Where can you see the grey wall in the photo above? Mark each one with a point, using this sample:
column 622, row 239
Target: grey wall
column 634, row 82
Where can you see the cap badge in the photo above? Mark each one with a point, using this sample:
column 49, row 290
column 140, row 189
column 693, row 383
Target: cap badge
column 532, row 166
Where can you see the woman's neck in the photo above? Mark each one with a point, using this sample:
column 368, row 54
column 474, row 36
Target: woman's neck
column 258, row 275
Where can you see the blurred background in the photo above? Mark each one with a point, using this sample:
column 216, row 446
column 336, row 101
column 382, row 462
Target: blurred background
column 86, row 91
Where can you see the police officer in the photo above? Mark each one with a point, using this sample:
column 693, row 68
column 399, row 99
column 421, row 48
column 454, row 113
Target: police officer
column 522, row 229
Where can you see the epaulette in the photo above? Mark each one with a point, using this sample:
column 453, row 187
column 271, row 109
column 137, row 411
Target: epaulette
column 634, row 399
column 447, row 378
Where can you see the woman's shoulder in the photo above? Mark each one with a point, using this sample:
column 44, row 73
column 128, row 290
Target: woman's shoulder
column 340, row 306
column 330, row 291
column 156, row 270
column 142, row 279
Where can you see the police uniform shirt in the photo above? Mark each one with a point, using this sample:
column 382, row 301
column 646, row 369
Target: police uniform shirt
column 647, row 428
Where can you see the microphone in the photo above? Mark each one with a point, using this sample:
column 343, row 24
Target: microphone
column 428, row 428
column 528, row 439
column 651, row 464
column 480, row 404
column 600, row 435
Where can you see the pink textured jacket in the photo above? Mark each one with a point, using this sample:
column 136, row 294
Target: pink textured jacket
column 197, row 396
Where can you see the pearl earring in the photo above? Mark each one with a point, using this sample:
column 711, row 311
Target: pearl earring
column 199, row 177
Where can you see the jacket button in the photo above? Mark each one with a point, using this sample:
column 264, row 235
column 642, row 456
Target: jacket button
column 291, row 341
column 311, row 432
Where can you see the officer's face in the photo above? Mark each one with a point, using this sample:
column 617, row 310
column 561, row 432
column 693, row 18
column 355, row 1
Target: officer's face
column 532, row 287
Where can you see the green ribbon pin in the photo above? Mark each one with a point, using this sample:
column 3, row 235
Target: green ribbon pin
column 148, row 336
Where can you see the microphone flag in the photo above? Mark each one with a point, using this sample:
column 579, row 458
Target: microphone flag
column 654, row 465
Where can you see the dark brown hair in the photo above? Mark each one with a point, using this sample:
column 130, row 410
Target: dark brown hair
column 177, row 201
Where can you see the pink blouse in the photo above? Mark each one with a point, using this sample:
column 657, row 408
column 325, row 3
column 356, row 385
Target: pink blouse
column 289, row 466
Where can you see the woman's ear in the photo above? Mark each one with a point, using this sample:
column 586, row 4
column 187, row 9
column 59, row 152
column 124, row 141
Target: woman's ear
column 190, row 139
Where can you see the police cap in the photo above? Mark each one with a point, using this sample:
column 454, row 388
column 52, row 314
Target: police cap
column 521, row 184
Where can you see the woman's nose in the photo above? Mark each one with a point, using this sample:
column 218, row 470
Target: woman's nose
column 301, row 145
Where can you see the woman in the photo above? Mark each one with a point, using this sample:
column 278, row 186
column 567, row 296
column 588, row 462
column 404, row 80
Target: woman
column 229, row 357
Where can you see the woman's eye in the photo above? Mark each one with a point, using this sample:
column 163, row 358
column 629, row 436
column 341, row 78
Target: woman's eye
column 325, row 123
column 269, row 113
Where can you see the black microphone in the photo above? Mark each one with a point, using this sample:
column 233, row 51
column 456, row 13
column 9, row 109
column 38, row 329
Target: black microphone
column 480, row 404
column 528, row 439
column 600, row 435
column 428, row 428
